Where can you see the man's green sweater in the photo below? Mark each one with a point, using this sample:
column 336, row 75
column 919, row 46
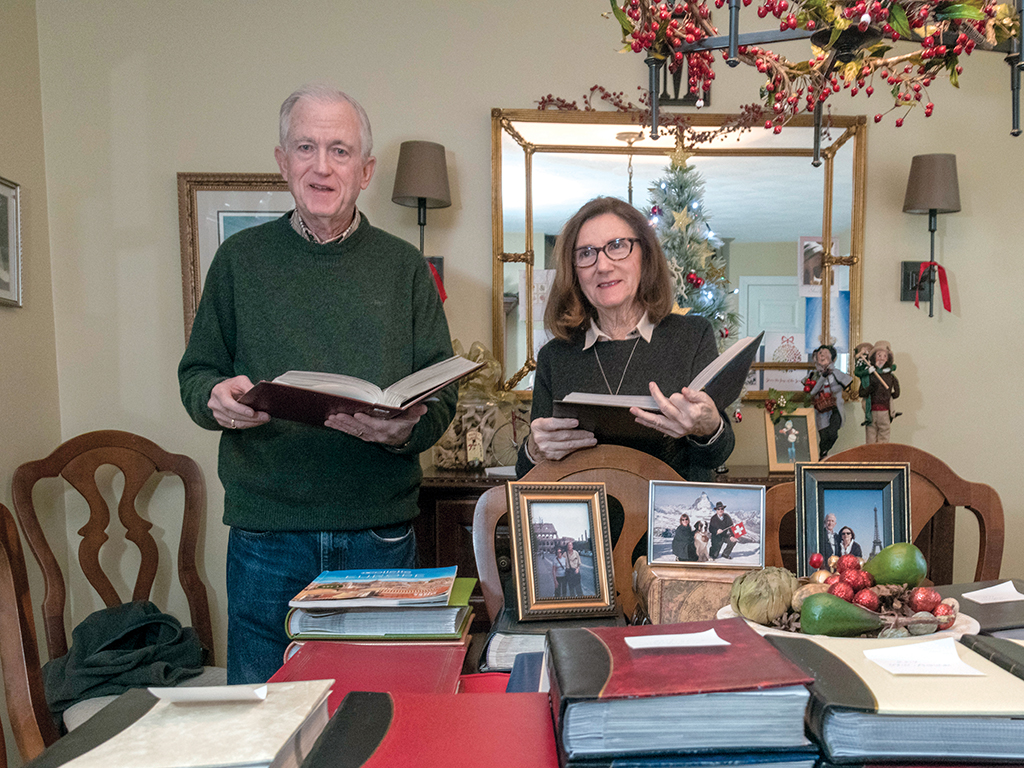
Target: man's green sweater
column 272, row 302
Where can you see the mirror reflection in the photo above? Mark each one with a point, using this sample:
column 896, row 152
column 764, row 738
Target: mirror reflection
column 770, row 212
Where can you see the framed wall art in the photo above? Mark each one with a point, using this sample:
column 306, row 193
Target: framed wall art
column 10, row 243
column 561, row 550
column 855, row 509
column 791, row 439
column 211, row 208
column 695, row 524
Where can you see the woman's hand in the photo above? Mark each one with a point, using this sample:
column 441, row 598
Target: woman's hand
column 683, row 413
column 553, row 439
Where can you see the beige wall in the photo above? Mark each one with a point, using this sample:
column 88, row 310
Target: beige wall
column 133, row 93
column 29, row 398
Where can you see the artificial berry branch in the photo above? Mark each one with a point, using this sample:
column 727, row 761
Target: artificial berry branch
column 677, row 123
column 852, row 47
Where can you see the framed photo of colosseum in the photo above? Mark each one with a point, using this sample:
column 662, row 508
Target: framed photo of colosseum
column 561, row 550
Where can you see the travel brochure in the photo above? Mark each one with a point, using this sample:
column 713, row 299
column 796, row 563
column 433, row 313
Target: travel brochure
column 385, row 587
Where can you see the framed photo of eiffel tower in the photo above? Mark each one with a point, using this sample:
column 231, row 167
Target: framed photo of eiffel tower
column 855, row 509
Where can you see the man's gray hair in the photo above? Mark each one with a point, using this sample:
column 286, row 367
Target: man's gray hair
column 326, row 94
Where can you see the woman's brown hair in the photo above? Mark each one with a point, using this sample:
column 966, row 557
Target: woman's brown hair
column 568, row 311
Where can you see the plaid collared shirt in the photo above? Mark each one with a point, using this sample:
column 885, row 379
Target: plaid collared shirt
column 300, row 226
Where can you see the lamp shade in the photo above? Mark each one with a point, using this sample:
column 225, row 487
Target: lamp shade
column 422, row 173
column 932, row 185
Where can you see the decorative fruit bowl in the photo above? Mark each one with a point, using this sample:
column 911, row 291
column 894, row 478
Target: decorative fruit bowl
column 849, row 598
column 964, row 625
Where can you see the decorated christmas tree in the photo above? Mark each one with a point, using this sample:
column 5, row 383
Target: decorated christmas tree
column 677, row 208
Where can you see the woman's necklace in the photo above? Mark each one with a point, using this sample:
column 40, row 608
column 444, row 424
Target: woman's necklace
column 623, row 376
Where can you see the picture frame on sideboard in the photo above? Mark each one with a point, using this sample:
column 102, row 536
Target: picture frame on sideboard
column 792, row 439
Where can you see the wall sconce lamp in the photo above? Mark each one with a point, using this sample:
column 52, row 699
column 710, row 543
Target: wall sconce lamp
column 422, row 179
column 933, row 189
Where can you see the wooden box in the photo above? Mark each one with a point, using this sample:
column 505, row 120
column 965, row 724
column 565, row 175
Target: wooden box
column 671, row 594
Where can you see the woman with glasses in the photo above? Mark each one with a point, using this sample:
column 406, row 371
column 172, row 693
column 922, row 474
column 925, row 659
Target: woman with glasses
column 682, row 542
column 610, row 313
column 847, row 545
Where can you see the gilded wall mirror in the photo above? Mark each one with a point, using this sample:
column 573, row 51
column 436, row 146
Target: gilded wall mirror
column 766, row 202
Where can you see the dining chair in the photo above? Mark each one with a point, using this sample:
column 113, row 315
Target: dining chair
column 32, row 724
column 79, row 461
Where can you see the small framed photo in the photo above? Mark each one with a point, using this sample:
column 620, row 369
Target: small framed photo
column 10, row 243
column 211, row 208
column 695, row 524
column 855, row 509
column 561, row 550
column 793, row 438
column 809, row 267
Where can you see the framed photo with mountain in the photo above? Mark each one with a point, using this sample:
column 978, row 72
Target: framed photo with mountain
column 855, row 509
column 714, row 524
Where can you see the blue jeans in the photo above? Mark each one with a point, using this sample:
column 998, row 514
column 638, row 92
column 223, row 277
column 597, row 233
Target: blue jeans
column 267, row 569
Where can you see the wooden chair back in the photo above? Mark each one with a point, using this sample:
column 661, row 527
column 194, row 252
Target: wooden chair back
column 31, row 722
column 138, row 459
column 626, row 474
column 934, row 488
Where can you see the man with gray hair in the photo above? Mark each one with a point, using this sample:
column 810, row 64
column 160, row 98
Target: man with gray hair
column 318, row 289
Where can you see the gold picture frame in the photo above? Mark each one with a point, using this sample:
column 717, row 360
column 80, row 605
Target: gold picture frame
column 553, row 527
column 792, row 444
column 212, row 206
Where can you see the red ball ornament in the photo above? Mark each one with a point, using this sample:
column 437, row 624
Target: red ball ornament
column 848, row 563
column 738, row 416
column 842, row 590
column 866, row 598
column 946, row 615
column 816, row 560
column 924, row 599
column 724, row 333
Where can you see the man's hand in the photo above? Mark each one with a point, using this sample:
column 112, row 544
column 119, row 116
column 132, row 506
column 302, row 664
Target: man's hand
column 226, row 409
column 683, row 413
column 553, row 439
column 393, row 432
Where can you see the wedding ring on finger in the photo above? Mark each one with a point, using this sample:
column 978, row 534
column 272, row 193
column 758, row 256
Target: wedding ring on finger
column 232, row 423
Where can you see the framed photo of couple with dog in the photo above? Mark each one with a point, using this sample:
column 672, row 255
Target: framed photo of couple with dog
column 705, row 524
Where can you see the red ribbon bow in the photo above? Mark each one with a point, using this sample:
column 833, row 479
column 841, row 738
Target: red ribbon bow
column 789, row 339
column 943, row 283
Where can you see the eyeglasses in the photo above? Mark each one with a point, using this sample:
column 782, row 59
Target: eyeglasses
column 846, row 533
column 616, row 250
